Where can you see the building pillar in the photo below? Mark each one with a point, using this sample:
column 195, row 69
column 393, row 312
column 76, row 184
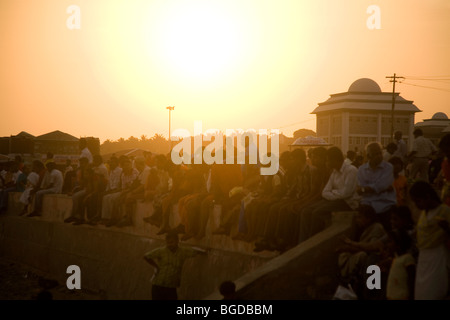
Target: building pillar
column 379, row 133
column 329, row 128
column 345, row 132
column 410, row 132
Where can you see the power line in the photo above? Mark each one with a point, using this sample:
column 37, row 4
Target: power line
column 427, row 76
column 416, row 85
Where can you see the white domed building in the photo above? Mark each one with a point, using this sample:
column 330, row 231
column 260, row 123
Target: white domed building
column 436, row 127
column 363, row 114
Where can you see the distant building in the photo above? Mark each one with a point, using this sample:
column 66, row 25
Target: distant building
column 434, row 128
column 59, row 143
column 352, row 119
column 22, row 143
column 56, row 142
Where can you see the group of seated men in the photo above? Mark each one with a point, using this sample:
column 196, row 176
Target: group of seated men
column 275, row 212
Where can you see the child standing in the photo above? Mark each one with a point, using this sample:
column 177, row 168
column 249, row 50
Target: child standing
column 400, row 181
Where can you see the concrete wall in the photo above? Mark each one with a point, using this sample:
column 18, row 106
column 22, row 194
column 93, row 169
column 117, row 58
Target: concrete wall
column 111, row 258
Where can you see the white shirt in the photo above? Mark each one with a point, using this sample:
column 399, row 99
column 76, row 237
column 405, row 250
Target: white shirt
column 401, row 151
column 85, row 153
column 143, row 176
column 56, row 179
column 423, row 147
column 102, row 170
column 114, row 179
column 32, row 179
column 342, row 185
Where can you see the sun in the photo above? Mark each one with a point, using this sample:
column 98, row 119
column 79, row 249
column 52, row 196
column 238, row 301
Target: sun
column 199, row 40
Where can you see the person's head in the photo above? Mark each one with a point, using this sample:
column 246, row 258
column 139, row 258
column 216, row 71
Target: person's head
column 51, row 166
column 335, row 158
column 228, row 290
column 417, row 132
column 49, row 155
column 139, row 163
column 359, row 159
column 374, row 154
column 37, row 166
column 424, row 196
column 401, row 218
column 391, row 147
column 97, row 160
column 444, row 145
column 161, row 162
column 351, row 155
column 299, row 157
column 366, row 216
column 319, row 157
column 149, row 158
column 68, row 162
column 172, row 241
column 127, row 166
column 113, row 163
column 398, row 135
column 26, row 169
column 400, row 240
column 397, row 163
column 285, row 159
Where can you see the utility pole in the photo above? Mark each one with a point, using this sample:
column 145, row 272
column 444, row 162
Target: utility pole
column 170, row 109
column 394, row 80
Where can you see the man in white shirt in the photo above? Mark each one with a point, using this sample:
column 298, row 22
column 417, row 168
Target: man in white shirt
column 422, row 149
column 53, row 185
column 339, row 194
column 136, row 193
column 375, row 178
column 401, row 151
column 85, row 152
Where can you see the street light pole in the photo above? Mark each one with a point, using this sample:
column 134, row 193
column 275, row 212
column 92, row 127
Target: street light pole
column 170, row 109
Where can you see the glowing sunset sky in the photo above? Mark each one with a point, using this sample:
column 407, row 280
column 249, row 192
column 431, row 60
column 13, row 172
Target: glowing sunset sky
column 230, row 63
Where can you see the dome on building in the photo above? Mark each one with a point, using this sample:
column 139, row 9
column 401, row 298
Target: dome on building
column 439, row 116
column 364, row 85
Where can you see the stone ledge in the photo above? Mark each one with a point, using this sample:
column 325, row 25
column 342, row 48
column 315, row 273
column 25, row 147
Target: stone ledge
column 304, row 272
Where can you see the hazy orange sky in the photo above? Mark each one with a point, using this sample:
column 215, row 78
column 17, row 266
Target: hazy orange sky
column 260, row 64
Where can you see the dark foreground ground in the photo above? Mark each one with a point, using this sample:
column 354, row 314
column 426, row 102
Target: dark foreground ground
column 21, row 282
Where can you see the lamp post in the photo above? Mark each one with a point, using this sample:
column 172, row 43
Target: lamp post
column 170, row 109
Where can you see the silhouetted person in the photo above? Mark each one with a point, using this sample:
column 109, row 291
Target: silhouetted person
column 85, row 152
column 420, row 155
column 168, row 262
column 228, row 290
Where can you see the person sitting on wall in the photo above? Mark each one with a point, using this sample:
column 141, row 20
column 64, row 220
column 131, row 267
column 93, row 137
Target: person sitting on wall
column 55, row 183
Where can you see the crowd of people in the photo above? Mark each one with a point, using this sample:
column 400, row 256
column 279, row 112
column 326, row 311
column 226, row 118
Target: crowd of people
column 280, row 211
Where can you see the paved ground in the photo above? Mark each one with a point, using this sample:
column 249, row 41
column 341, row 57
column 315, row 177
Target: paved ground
column 21, row 282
